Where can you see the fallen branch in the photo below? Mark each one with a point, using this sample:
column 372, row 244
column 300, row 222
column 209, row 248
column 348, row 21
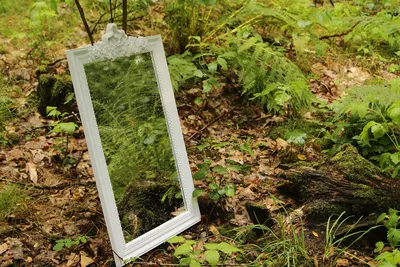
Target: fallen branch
column 205, row 127
column 340, row 34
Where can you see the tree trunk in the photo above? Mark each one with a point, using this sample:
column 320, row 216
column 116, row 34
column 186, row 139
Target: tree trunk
column 347, row 182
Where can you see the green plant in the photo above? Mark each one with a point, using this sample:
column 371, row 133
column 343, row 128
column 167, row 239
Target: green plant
column 391, row 222
column 216, row 191
column 332, row 244
column 282, row 244
column 68, row 242
column 11, row 198
column 371, row 117
column 191, row 254
column 60, row 126
column 188, row 18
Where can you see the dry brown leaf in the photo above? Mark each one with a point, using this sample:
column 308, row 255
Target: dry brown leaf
column 31, row 168
column 281, row 144
column 215, row 231
column 3, row 247
column 85, row 261
column 73, row 259
column 342, row 262
column 15, row 154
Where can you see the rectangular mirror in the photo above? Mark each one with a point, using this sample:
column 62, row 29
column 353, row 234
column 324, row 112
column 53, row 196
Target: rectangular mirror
column 132, row 129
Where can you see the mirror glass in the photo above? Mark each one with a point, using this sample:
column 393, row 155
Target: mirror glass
column 135, row 141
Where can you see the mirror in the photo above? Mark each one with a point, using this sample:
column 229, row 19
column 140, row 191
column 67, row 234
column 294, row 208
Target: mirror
column 131, row 124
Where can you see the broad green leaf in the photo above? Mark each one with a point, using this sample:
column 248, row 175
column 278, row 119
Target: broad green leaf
column 83, row 239
column 364, row 135
column 379, row 246
column 221, row 61
column 66, row 127
column 235, row 167
column 223, row 246
column 185, row 261
column 176, row 239
column 395, row 157
column 194, row 263
column 52, row 111
column 212, row 256
column 212, row 67
column 394, row 112
column 297, row 137
column 214, row 196
column 58, row 246
column 219, row 169
column 198, row 192
column 203, row 146
column 230, row 190
column 200, row 174
column 207, row 87
column 183, row 249
column 378, row 130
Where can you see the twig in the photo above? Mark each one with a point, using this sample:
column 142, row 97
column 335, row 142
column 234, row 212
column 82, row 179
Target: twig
column 111, row 12
column 56, row 61
column 124, row 14
column 84, row 20
column 205, row 127
column 340, row 34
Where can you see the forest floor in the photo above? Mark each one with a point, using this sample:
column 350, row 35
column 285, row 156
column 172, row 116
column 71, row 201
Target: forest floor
column 52, row 197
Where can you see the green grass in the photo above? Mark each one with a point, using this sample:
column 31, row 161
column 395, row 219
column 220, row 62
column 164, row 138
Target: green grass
column 11, row 198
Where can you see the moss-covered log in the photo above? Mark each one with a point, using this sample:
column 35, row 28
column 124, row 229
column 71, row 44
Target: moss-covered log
column 142, row 209
column 347, row 182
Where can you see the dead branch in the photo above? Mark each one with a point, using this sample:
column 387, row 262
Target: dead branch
column 84, row 21
column 340, row 34
column 205, row 127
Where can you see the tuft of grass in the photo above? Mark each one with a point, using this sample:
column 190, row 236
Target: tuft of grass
column 333, row 249
column 11, row 198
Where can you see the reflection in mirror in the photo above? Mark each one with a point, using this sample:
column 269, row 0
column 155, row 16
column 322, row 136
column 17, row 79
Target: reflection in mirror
column 135, row 141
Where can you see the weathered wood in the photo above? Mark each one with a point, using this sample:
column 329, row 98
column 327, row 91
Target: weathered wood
column 347, row 182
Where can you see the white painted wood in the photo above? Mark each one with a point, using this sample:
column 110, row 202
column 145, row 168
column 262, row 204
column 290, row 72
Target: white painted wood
column 116, row 44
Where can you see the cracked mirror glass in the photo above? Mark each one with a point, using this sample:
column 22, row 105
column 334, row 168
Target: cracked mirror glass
column 135, row 142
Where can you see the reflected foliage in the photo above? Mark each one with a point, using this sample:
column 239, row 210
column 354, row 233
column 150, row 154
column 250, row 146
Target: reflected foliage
column 134, row 137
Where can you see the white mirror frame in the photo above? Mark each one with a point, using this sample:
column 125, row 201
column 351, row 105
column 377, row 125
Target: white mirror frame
column 116, row 44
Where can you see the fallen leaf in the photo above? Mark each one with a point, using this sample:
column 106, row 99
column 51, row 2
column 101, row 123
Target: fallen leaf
column 3, row 247
column 215, row 231
column 85, row 261
column 31, row 168
column 73, row 259
column 281, row 144
column 315, row 234
column 301, row 157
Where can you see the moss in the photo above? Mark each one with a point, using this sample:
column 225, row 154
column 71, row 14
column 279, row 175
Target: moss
column 353, row 165
column 53, row 90
column 141, row 208
column 323, row 209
